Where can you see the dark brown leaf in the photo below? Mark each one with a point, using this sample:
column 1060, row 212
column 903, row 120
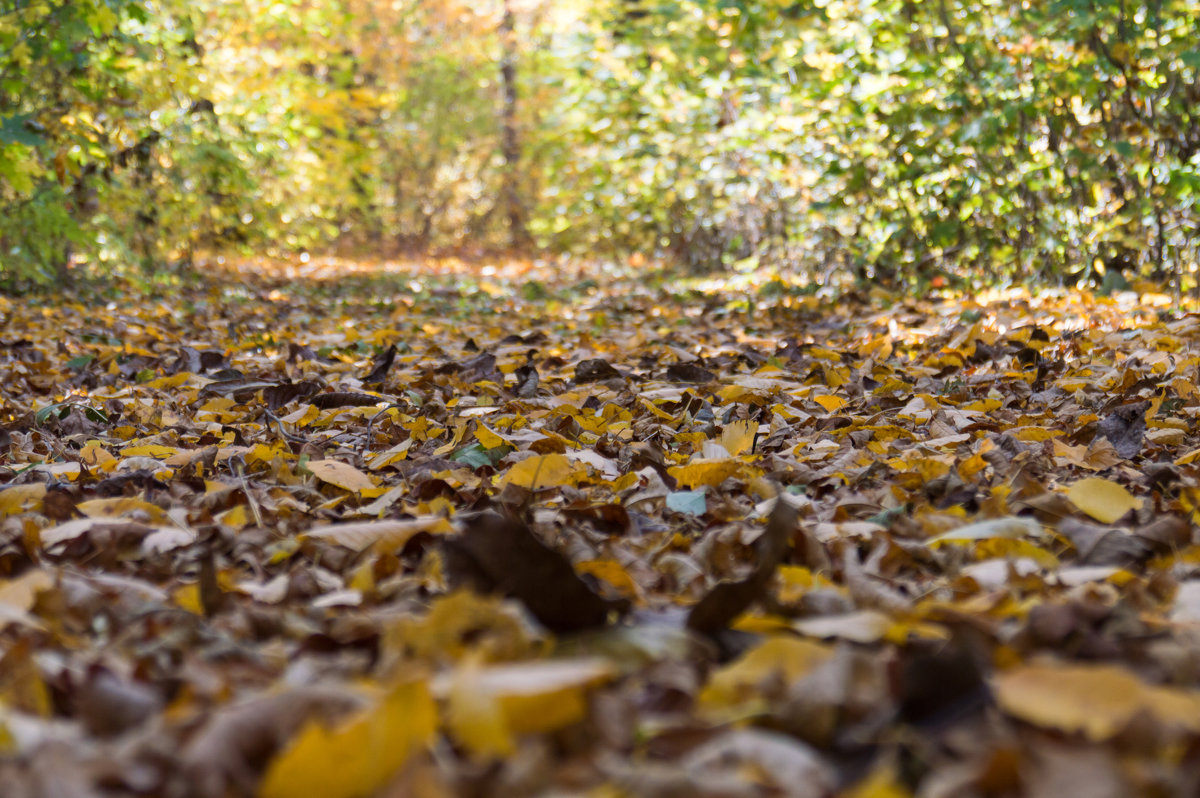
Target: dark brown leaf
column 595, row 370
column 1125, row 428
column 725, row 602
column 495, row 554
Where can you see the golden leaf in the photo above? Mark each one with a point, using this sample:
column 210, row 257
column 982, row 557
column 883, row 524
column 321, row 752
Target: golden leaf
column 738, row 436
column 339, row 474
column 359, row 756
column 732, row 689
column 22, row 498
column 486, row 705
column 1097, row 701
column 544, row 471
column 1102, row 499
column 710, row 472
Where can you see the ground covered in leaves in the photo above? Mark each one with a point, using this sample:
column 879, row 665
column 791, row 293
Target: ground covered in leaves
column 526, row 530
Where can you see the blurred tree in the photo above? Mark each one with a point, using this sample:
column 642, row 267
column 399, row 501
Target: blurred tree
column 888, row 139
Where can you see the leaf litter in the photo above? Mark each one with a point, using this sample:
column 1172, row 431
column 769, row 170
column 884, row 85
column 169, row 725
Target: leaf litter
column 372, row 534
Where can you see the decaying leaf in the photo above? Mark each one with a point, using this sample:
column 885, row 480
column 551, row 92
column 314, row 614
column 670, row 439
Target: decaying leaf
column 227, row 568
column 1125, row 428
column 494, row 554
column 725, row 602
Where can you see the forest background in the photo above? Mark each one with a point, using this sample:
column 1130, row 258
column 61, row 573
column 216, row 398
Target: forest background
column 886, row 140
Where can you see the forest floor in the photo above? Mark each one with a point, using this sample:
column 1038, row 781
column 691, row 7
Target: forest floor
column 340, row 530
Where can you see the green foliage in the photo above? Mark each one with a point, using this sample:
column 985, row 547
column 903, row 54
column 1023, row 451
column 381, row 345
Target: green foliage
column 1018, row 139
column 892, row 140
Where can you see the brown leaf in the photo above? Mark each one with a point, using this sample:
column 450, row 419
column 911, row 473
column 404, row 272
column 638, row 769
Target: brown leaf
column 327, row 401
column 595, row 370
column 495, row 554
column 382, row 364
column 1103, row 545
column 1125, row 428
column 109, row 705
column 725, row 602
column 689, row 372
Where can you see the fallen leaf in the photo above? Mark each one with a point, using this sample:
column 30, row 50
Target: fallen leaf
column 21, row 498
column 384, row 535
column 1011, row 527
column 1097, row 701
column 1125, row 428
column 1102, row 499
column 17, row 596
column 488, row 706
column 357, row 756
column 339, row 474
column 725, row 602
column 738, row 687
column 545, row 471
column 494, row 554
column 711, row 473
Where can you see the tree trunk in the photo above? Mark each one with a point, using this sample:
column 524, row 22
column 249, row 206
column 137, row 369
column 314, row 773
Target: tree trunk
column 518, row 234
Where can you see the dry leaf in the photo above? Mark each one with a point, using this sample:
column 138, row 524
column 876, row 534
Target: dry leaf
column 386, row 535
column 356, row 756
column 1102, row 499
column 1097, row 701
column 342, row 475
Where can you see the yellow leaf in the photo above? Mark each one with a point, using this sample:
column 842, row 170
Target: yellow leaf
column 489, row 439
column 1035, row 434
column 1097, row 701
column 174, row 381
column 18, row 595
column 474, row 716
column 738, row 436
column 149, row 450
column 486, row 706
column 611, row 572
column 390, row 456
column 384, row 535
column 738, row 687
column 1013, row 549
column 545, row 471
column 358, row 757
column 22, row 498
column 188, row 597
column 125, row 506
column 93, row 454
column 796, row 580
column 262, row 453
column 710, row 472
column 302, row 417
column 971, row 466
column 831, row 403
column 235, row 517
column 342, row 475
column 1102, row 499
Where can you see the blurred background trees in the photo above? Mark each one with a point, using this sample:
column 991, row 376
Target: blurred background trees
column 888, row 140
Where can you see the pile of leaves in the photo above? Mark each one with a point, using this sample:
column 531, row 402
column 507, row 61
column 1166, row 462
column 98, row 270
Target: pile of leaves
column 525, row 534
